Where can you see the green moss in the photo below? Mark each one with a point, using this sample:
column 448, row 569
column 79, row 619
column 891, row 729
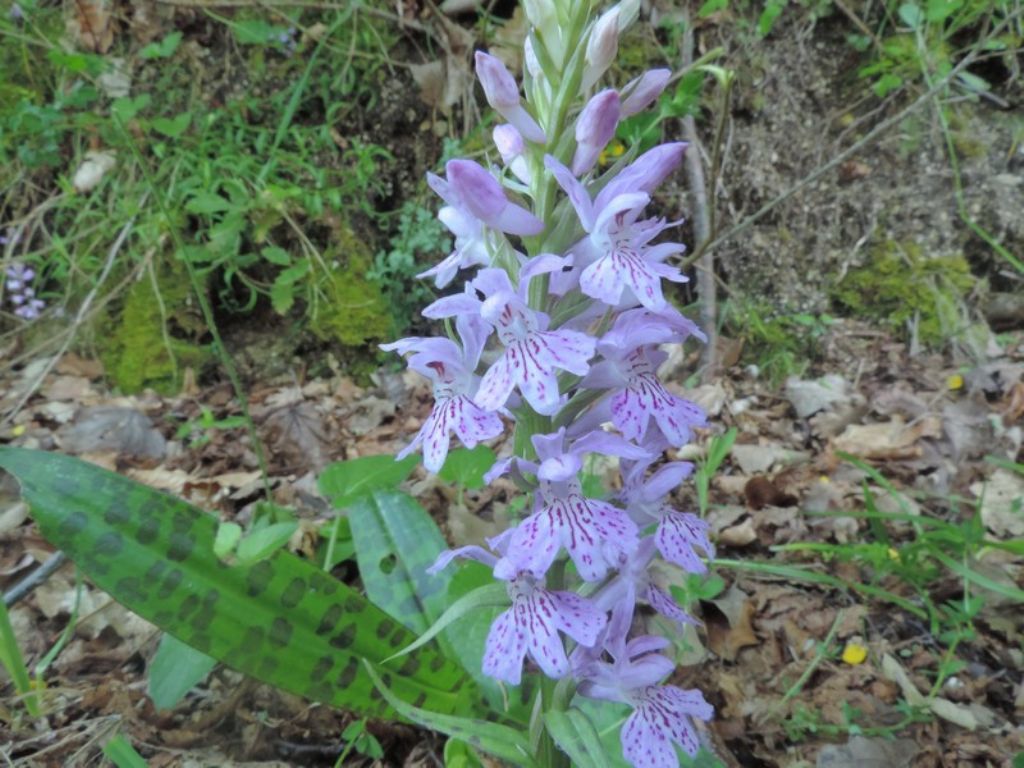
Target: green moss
column 900, row 285
column 354, row 312
column 136, row 351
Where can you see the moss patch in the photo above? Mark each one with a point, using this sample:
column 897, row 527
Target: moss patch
column 137, row 353
column 354, row 312
column 900, row 286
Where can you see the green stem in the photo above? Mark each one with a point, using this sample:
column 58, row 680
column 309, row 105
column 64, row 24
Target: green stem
column 14, row 663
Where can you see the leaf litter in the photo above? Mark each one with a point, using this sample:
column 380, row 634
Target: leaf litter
column 771, row 643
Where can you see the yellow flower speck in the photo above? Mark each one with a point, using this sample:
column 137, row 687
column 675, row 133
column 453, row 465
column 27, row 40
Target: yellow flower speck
column 18, row 430
column 956, row 381
column 854, row 654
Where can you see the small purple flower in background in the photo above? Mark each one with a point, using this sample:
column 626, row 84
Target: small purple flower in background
column 23, row 296
column 19, row 276
column 287, row 39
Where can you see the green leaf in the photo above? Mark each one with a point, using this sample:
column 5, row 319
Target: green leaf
column 346, row 481
column 772, row 11
column 910, row 14
column 227, row 538
column 467, row 467
column 295, row 272
column 576, row 736
column 485, row 596
column 122, row 754
column 458, row 754
column 207, row 202
column 175, row 670
column 173, row 127
column 712, row 6
column 396, row 541
column 162, row 50
column 126, row 108
column 498, row 740
column 282, row 296
column 263, row 542
column 255, row 31
column 282, row 620
column 276, row 255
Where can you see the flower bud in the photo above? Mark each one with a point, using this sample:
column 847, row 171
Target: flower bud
column 594, row 129
column 512, row 149
column 475, row 189
column 503, row 94
column 641, row 92
column 602, row 47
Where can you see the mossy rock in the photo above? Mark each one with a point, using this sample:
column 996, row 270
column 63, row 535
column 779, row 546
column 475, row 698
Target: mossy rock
column 145, row 347
column 355, row 312
column 900, row 284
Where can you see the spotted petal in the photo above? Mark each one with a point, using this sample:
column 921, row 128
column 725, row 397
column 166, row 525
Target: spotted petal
column 678, row 534
column 646, row 397
column 661, row 720
column 594, row 533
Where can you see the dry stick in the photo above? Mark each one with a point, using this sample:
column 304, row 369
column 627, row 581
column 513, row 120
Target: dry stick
column 34, row 579
column 701, row 231
column 79, row 317
column 877, row 131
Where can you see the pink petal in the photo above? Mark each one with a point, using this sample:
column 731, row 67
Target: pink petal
column 436, row 433
column 644, row 745
column 578, row 618
column 496, row 385
column 663, row 603
column 577, row 194
column 505, row 649
column 539, row 612
column 473, row 424
column 623, row 267
column 676, row 537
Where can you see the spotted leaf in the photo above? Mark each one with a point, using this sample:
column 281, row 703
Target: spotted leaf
column 281, row 620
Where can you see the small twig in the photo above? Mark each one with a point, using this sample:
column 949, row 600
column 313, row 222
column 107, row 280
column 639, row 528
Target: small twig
column 34, row 579
column 702, row 223
column 79, row 317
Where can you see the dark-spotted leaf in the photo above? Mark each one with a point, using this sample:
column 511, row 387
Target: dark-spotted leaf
column 174, row 670
column 493, row 738
column 346, row 481
column 281, row 620
column 396, row 541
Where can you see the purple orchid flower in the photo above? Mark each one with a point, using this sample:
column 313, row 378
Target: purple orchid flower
column 532, row 353
column 595, row 127
column 634, row 581
column 629, row 370
column 641, row 92
column 616, row 253
column 475, row 201
column 512, row 148
column 679, row 534
column 450, row 368
column 662, row 714
column 596, row 534
column 532, row 623
column 503, row 95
